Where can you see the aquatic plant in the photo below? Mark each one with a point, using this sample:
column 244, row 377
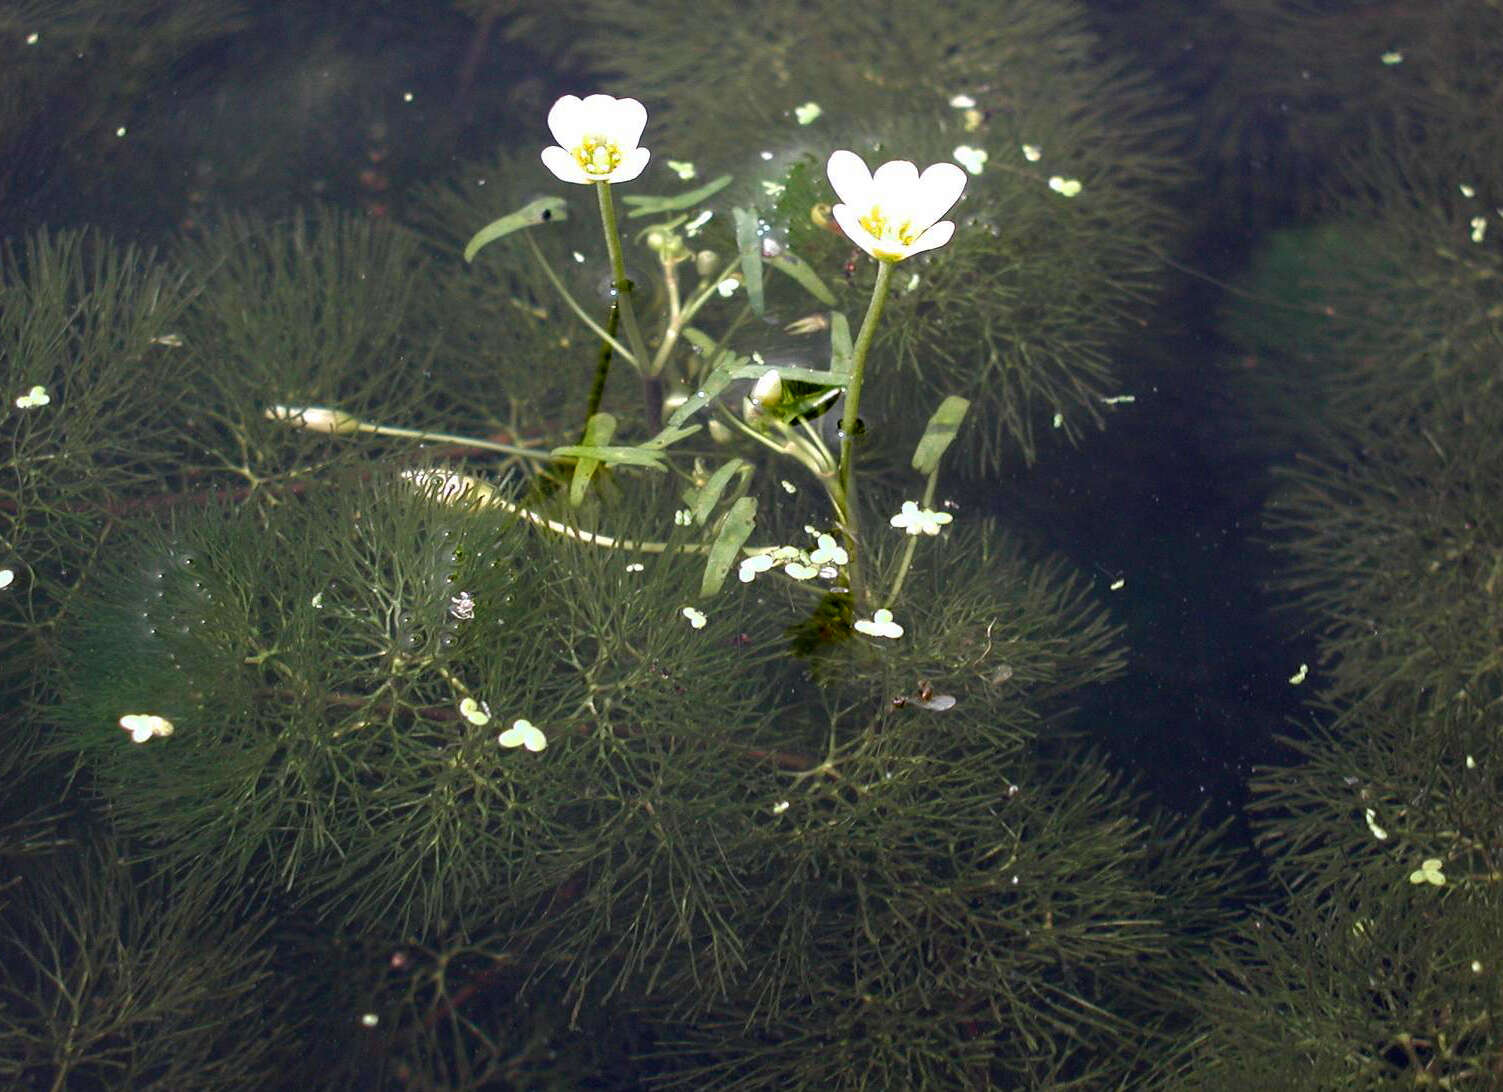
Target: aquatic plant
column 685, row 706
column 1071, row 157
column 117, row 974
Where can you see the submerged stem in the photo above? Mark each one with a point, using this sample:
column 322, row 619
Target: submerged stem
column 850, row 421
column 618, row 274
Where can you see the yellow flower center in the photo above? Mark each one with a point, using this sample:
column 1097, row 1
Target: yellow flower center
column 881, row 228
column 598, row 156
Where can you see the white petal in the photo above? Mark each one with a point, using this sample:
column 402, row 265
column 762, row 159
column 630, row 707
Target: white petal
column 627, row 120
column 940, row 186
column 567, row 120
column 564, row 166
column 936, row 236
column 631, row 166
column 849, row 177
column 895, row 177
column 850, row 223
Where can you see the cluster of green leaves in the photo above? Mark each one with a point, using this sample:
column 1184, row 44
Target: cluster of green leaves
column 1379, row 964
column 708, row 843
column 119, row 975
column 82, row 320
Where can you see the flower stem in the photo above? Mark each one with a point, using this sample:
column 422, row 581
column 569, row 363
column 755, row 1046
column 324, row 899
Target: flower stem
column 618, row 273
column 600, row 331
column 850, row 422
column 910, row 545
column 450, row 438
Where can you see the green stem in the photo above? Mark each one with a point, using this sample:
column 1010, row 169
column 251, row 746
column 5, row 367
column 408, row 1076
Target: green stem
column 579, row 311
column 451, row 438
column 910, row 545
column 618, row 272
column 602, row 369
column 850, row 421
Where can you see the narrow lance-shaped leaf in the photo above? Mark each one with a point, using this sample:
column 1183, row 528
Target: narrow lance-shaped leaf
column 545, row 210
column 791, row 372
column 649, row 205
column 801, row 271
column 648, row 453
column 939, row 433
column 611, row 456
column 719, row 378
column 670, row 435
column 598, row 432
column 702, row 501
column 749, row 243
column 734, row 532
column 841, row 348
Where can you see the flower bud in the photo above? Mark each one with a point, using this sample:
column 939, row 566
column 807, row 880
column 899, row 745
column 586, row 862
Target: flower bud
column 315, row 418
column 768, row 390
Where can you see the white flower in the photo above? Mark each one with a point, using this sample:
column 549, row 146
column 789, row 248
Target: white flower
column 829, row 552
column 696, row 618
column 523, row 734
column 597, row 139
column 462, row 607
column 144, row 726
column 476, row 712
column 879, row 624
column 7, row 578
column 37, row 396
column 920, row 521
column 894, row 213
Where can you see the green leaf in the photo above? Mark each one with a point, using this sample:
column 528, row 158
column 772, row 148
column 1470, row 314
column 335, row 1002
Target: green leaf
column 938, row 434
column 790, row 373
column 598, row 432
column 646, row 205
column 545, row 210
column 702, row 501
column 719, row 378
column 749, row 242
column 801, row 271
column 670, row 435
column 611, row 456
column 841, row 348
column 734, row 532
